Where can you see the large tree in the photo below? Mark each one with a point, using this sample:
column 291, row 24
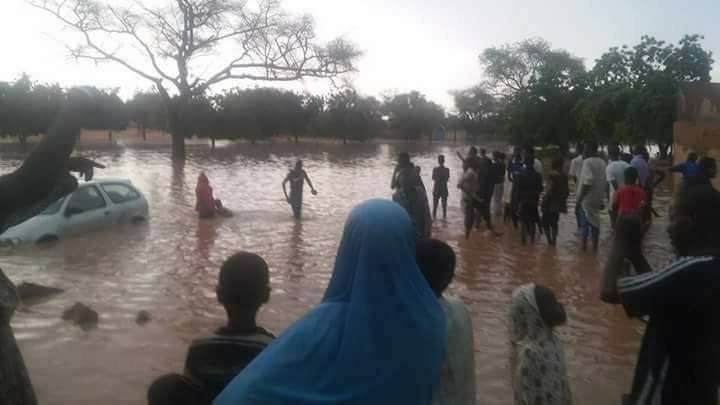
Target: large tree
column 478, row 109
column 351, row 116
column 412, row 115
column 634, row 89
column 173, row 46
column 539, row 87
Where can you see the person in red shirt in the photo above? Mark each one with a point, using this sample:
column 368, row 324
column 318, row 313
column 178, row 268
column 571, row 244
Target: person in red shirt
column 629, row 197
column 205, row 203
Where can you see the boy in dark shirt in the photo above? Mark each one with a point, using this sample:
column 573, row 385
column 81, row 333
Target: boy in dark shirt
column 554, row 202
column 212, row 362
column 679, row 360
column 440, row 176
column 529, row 187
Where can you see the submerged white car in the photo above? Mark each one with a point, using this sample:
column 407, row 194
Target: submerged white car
column 94, row 205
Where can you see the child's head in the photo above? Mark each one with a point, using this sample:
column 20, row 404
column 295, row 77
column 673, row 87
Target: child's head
column 534, row 308
column 244, row 282
column 441, row 160
column 558, row 163
column 436, row 261
column 631, row 175
column 551, row 311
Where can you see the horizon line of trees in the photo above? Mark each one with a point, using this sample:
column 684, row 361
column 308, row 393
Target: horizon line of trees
column 533, row 95
column 27, row 108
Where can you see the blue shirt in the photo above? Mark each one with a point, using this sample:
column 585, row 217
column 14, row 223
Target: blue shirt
column 688, row 169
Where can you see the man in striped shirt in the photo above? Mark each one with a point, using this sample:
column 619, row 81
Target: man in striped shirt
column 212, row 362
column 679, row 360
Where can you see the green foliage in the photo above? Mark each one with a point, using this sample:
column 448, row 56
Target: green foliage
column 27, row 108
column 478, row 110
column 412, row 115
column 633, row 91
column 349, row 115
column 539, row 88
column 629, row 96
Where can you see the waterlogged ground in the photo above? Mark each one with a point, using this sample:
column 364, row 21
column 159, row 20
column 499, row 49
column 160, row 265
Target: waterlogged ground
column 169, row 266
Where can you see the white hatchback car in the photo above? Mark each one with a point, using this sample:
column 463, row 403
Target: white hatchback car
column 94, row 205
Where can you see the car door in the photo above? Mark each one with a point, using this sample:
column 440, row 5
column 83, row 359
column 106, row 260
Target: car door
column 86, row 211
column 126, row 202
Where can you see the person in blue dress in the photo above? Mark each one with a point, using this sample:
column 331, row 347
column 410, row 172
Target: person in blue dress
column 377, row 337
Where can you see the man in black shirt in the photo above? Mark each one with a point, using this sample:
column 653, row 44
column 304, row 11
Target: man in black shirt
column 440, row 176
column 212, row 362
column 679, row 360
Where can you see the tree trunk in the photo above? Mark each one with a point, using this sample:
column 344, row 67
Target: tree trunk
column 212, row 142
column 22, row 139
column 454, row 135
column 144, row 133
column 178, row 128
column 296, row 139
column 663, row 149
column 110, row 135
column 15, row 385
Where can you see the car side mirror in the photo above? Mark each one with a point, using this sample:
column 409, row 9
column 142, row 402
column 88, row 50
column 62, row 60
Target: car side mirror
column 70, row 211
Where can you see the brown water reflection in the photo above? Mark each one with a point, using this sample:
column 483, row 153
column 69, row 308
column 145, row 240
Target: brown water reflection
column 169, row 267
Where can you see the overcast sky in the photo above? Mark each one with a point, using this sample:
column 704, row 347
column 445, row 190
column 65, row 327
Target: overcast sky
column 428, row 45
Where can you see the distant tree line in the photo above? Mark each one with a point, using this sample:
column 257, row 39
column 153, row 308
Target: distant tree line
column 27, row 108
column 542, row 96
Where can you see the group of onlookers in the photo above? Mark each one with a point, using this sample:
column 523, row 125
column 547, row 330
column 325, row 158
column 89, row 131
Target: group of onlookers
column 385, row 331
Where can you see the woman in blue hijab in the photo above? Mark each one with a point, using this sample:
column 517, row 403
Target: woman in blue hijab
column 377, row 337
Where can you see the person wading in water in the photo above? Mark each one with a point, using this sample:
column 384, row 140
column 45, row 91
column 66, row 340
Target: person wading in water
column 297, row 178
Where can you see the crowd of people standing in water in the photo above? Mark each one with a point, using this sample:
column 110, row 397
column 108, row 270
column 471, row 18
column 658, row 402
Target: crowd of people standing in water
column 386, row 332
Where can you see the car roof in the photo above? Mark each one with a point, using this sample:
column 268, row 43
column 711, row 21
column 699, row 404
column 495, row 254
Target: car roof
column 106, row 180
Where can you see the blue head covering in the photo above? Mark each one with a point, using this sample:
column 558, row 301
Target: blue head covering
column 377, row 337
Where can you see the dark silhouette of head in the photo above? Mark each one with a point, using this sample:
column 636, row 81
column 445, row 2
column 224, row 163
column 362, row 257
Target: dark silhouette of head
column 558, row 164
column 441, row 160
column 551, row 310
column 244, row 283
column 299, row 165
column 639, row 149
column 403, row 159
column 436, row 260
column 692, row 157
column 175, row 389
column 473, row 151
column 529, row 157
column 613, row 152
column 626, row 157
column 591, row 149
column 483, row 152
column 631, row 175
column 694, row 228
column 579, row 149
column 708, row 167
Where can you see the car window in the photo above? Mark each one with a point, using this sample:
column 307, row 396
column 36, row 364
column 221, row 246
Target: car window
column 86, row 199
column 53, row 208
column 120, row 193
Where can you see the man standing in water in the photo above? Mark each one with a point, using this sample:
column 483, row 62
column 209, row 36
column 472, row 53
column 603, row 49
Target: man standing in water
column 297, row 178
column 593, row 186
column 440, row 176
column 575, row 171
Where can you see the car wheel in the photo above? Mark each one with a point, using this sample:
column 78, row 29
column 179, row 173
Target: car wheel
column 47, row 239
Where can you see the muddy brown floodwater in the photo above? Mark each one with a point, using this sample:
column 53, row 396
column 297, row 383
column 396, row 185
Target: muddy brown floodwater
column 169, row 267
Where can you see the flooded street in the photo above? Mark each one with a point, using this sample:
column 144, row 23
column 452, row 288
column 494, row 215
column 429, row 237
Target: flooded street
column 168, row 266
